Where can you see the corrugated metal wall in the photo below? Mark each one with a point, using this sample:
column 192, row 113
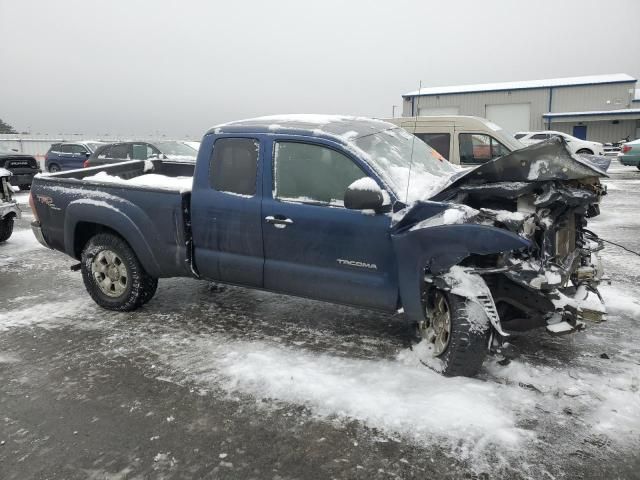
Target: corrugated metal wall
column 564, row 99
column 475, row 103
column 601, row 131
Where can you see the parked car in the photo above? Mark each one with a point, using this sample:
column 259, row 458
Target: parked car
column 122, row 151
column 22, row 167
column 463, row 140
column 8, row 207
column 347, row 210
column 630, row 154
column 576, row 145
column 68, row 156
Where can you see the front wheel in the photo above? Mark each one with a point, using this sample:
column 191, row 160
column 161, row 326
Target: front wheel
column 113, row 275
column 458, row 330
column 6, row 228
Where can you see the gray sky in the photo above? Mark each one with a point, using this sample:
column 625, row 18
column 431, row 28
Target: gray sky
column 131, row 67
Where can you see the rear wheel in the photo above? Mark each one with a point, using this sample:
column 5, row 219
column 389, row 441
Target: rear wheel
column 113, row 275
column 53, row 168
column 6, row 228
column 458, row 331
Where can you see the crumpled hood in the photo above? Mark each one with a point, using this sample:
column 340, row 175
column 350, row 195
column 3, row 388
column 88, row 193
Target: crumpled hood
column 544, row 161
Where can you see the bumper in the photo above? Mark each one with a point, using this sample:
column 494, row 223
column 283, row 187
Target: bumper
column 37, row 232
column 22, row 179
column 629, row 160
column 9, row 207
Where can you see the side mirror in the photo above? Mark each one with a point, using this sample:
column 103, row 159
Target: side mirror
column 363, row 194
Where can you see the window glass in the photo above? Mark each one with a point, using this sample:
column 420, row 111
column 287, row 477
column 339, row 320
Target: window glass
column 540, row 136
column 438, row 141
column 518, row 136
column 311, row 173
column 77, row 149
column 119, row 151
column 65, row 148
column 478, row 148
column 55, row 147
column 234, row 165
column 141, row 151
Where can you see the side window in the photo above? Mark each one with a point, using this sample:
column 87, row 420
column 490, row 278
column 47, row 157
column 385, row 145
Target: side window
column 478, row 148
column 55, row 148
column 311, row 173
column 539, row 136
column 141, row 151
column 438, row 141
column 77, row 148
column 65, row 149
column 104, row 152
column 120, row 151
column 518, row 136
column 234, row 165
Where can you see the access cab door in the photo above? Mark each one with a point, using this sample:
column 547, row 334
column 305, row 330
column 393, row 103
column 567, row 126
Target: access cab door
column 226, row 211
column 313, row 246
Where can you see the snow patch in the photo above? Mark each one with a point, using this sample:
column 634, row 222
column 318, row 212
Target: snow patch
column 154, row 180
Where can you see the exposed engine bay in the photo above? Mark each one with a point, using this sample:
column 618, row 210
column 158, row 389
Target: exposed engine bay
column 544, row 195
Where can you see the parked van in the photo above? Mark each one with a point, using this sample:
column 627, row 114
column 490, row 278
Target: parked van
column 462, row 140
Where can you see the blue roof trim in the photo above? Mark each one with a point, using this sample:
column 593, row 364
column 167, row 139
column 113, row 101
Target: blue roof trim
column 521, row 88
column 588, row 114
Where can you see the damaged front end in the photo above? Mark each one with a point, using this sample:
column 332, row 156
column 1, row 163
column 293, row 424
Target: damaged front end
column 545, row 195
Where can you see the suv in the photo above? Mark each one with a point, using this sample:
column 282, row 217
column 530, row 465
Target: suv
column 463, row 140
column 8, row 207
column 576, row 145
column 68, row 156
column 120, row 152
column 22, row 167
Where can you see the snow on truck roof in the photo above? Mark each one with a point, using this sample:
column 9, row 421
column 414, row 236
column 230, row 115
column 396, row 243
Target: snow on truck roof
column 525, row 85
column 343, row 127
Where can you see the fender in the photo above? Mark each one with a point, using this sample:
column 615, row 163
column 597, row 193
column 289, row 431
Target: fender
column 437, row 249
column 103, row 213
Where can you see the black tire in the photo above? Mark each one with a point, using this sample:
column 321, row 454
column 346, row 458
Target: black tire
column 149, row 290
column 138, row 286
column 638, row 167
column 25, row 186
column 53, row 168
column 6, row 228
column 585, row 151
column 468, row 338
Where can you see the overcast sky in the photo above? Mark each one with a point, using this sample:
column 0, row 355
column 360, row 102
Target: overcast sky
column 131, row 67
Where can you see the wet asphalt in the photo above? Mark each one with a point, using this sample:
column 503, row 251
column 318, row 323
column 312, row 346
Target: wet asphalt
column 86, row 393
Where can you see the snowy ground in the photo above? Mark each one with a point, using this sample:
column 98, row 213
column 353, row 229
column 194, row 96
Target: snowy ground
column 235, row 383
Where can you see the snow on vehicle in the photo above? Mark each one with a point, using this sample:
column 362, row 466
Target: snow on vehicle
column 8, row 207
column 346, row 210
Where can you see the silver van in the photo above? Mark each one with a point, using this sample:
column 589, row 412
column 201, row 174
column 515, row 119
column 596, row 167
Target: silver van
column 462, row 140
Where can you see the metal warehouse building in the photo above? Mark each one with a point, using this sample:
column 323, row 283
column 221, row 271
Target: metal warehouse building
column 604, row 108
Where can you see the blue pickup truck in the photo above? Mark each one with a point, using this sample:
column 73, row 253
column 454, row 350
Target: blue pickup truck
column 347, row 210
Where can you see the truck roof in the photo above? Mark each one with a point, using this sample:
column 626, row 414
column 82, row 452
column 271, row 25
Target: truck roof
column 335, row 127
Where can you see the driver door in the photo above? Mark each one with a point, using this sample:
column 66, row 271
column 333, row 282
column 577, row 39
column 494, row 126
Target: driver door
column 313, row 246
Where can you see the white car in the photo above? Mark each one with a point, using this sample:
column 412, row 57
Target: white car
column 575, row 144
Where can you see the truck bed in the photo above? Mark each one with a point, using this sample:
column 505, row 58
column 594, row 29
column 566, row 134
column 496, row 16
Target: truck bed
column 145, row 202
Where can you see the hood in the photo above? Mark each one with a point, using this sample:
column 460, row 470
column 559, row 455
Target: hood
column 545, row 161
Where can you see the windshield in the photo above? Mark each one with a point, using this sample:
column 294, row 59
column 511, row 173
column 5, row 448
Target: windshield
column 176, row 149
column 92, row 146
column 391, row 152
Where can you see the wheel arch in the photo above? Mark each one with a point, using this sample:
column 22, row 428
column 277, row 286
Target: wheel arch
column 83, row 220
column 436, row 249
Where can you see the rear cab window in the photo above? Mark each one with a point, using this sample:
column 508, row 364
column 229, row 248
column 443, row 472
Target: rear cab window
column 233, row 167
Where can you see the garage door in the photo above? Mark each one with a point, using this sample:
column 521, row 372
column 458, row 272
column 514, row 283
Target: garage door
column 430, row 111
column 513, row 117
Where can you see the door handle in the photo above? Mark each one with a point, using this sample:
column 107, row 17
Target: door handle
column 278, row 221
